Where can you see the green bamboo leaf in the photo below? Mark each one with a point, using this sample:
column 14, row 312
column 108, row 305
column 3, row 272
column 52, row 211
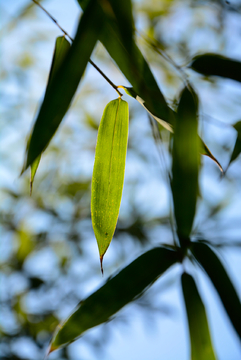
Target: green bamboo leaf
column 185, row 163
column 64, row 84
column 108, row 172
column 221, row 281
column 201, row 344
column 237, row 147
column 134, row 67
column 62, row 47
column 117, row 292
column 217, row 65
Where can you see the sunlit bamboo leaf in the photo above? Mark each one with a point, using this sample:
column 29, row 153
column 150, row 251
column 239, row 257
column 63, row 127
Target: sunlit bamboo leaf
column 108, row 173
column 114, row 295
column 201, row 344
column 185, row 163
column 64, row 85
column 217, row 65
column 237, row 147
column 220, row 279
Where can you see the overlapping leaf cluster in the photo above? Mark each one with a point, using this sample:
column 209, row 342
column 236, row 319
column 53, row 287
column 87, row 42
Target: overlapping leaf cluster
column 111, row 22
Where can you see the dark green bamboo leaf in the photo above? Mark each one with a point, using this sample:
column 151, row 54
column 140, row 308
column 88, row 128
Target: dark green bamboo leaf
column 217, row 65
column 64, row 84
column 108, row 173
column 237, row 147
column 134, row 67
column 201, row 344
column 62, row 47
column 185, row 163
column 124, row 18
column 220, row 279
column 114, row 295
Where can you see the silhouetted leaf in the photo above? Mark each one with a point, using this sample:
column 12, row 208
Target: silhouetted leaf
column 134, row 67
column 62, row 47
column 214, row 64
column 114, row 295
column 108, row 173
column 220, row 279
column 237, row 147
column 201, row 344
column 64, row 84
column 185, row 163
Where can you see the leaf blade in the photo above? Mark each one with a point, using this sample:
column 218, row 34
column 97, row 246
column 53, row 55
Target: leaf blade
column 185, row 165
column 115, row 294
column 221, row 281
column 108, row 172
column 201, row 344
column 213, row 64
column 64, row 85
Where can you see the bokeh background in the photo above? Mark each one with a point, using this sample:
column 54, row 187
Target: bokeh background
column 48, row 253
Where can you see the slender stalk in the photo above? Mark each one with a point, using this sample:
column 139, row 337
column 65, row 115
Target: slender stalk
column 71, row 39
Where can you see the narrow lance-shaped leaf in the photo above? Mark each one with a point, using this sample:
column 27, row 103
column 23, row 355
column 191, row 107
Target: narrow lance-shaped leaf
column 64, row 84
column 201, row 344
column 114, row 295
column 221, row 281
column 61, row 49
column 237, row 147
column 108, row 172
column 217, row 65
column 185, row 163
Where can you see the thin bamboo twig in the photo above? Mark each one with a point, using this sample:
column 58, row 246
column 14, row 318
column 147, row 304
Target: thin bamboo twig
column 71, row 39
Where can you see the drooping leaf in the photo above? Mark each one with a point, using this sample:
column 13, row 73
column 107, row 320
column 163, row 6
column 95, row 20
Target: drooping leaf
column 217, row 65
column 221, row 281
column 114, row 295
column 201, row 344
column 62, row 47
column 64, row 84
column 237, row 147
column 134, row 67
column 108, row 172
column 185, row 163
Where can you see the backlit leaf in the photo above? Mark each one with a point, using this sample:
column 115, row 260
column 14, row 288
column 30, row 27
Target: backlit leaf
column 220, row 279
column 217, row 65
column 204, row 150
column 114, row 295
column 201, row 344
column 108, row 173
column 185, row 163
column 64, row 84
column 33, row 169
